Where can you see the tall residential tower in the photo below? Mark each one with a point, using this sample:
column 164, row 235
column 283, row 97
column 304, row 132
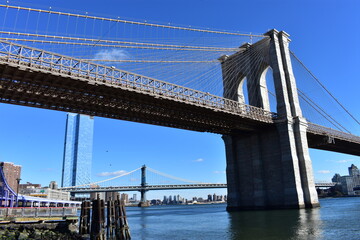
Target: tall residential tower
column 78, row 150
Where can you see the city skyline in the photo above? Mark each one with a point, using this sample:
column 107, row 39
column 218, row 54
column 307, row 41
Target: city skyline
column 33, row 137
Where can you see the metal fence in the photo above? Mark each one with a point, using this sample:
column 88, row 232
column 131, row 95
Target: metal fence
column 38, row 212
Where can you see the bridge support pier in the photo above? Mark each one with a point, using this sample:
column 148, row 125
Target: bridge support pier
column 269, row 168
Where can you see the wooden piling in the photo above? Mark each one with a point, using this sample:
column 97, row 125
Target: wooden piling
column 111, row 224
column 122, row 227
column 97, row 220
column 84, row 224
column 116, row 222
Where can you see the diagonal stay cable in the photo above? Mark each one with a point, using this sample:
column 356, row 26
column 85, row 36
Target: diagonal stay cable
column 322, row 85
column 321, row 111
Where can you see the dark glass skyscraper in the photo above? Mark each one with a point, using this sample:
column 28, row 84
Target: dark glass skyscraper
column 78, row 150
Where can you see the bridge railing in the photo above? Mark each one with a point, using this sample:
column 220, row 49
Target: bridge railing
column 321, row 130
column 99, row 74
column 166, row 187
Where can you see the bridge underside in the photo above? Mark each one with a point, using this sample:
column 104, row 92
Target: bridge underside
column 42, row 89
column 324, row 142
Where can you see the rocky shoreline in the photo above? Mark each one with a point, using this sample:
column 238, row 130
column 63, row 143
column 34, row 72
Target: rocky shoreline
column 37, row 231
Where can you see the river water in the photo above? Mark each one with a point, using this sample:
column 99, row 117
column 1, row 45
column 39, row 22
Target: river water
column 338, row 218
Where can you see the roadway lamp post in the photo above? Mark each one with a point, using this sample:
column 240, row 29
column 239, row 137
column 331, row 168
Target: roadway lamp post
column 17, row 191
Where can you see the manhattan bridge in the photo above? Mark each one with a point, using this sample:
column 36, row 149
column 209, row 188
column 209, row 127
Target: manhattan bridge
column 250, row 88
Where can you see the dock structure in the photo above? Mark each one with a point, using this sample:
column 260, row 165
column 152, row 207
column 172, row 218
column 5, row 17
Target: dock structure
column 99, row 227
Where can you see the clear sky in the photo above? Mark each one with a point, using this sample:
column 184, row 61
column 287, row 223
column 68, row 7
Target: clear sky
column 324, row 36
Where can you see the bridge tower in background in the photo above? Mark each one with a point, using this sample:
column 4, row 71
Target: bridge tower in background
column 143, row 202
column 270, row 168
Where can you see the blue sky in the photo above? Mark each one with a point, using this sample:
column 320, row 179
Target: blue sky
column 324, row 36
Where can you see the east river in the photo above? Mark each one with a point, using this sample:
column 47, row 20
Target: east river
column 338, row 218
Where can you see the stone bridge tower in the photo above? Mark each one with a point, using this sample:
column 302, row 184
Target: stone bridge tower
column 269, row 168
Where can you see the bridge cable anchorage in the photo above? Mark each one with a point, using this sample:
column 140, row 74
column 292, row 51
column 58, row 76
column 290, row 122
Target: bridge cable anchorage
column 95, row 183
column 322, row 85
column 189, row 28
column 172, row 177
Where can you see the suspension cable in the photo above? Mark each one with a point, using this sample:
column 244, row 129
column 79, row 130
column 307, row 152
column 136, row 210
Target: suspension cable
column 131, row 22
column 321, row 111
column 322, row 85
column 116, row 46
column 89, row 184
column 112, row 41
column 172, row 177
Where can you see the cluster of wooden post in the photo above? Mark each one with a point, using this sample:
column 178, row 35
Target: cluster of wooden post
column 93, row 221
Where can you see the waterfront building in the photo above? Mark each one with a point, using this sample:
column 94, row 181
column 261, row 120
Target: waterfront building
column 353, row 170
column 111, row 196
column 94, row 195
column 165, row 200
column 53, row 185
column 77, row 150
column 124, row 197
column 27, row 188
column 51, row 192
column 351, row 182
column 155, row 202
column 336, row 178
column 12, row 174
column 133, row 199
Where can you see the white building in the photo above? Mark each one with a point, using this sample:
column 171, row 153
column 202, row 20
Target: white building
column 348, row 183
column 50, row 194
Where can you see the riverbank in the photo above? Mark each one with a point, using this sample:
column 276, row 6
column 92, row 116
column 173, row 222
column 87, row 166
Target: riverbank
column 46, row 231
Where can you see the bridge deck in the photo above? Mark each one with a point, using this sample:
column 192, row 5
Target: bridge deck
column 324, row 138
column 33, row 77
column 159, row 187
column 37, row 78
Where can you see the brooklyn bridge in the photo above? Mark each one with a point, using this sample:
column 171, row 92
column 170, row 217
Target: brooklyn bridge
column 258, row 109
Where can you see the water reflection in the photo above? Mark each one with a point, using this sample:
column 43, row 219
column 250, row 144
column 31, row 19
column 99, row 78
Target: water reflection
column 143, row 223
column 275, row 224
